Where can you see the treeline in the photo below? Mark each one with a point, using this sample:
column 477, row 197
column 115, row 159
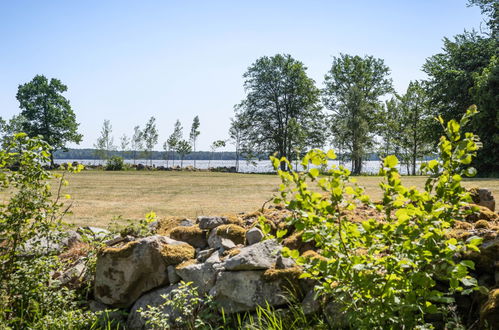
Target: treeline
column 92, row 154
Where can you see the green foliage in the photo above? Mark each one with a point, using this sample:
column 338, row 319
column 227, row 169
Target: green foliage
column 150, row 137
column 279, row 92
column 394, row 272
column 141, row 228
column 29, row 296
column 183, row 148
column 172, row 141
column 115, row 163
column 352, row 90
column 47, row 112
column 466, row 72
column 104, row 144
column 406, row 124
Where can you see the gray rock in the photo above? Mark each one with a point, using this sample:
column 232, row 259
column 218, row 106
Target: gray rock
column 173, row 278
column 282, row 263
column 202, row 276
column 107, row 313
column 254, row 235
column 261, row 255
column 214, row 258
column 486, row 199
column 186, row 223
column 204, row 254
column 243, row 291
column 136, row 321
column 211, row 222
column 75, row 275
column 123, row 274
column 54, row 242
column 95, row 233
column 310, row 304
column 153, row 226
column 217, row 242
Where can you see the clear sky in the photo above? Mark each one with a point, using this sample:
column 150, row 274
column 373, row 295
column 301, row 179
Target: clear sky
column 128, row 60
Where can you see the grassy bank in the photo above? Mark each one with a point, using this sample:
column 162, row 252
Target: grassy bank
column 98, row 196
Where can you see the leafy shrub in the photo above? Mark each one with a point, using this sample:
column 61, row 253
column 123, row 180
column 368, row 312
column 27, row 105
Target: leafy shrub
column 29, row 296
column 394, row 272
column 115, row 163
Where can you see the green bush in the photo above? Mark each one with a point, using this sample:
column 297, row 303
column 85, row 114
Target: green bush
column 29, row 296
column 115, row 163
column 395, row 272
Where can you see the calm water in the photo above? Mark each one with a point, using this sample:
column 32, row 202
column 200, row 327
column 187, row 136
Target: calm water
column 263, row 166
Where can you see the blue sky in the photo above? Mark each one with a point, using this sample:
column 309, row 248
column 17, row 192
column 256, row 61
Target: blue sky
column 128, row 60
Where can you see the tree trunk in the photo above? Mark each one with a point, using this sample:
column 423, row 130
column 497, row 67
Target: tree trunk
column 52, row 165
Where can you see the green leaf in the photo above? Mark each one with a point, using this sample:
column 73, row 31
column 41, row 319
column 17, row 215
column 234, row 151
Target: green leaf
column 314, row 172
column 390, row 161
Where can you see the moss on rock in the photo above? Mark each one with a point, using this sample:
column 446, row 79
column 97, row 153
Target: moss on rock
column 174, row 254
column 235, row 233
column 120, row 252
column 191, row 234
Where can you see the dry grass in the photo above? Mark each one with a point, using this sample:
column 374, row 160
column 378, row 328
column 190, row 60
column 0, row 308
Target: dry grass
column 98, row 196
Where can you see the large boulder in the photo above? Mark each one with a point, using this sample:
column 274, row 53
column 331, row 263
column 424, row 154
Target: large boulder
column 124, row 273
column 258, row 256
column 154, row 298
column 243, row 291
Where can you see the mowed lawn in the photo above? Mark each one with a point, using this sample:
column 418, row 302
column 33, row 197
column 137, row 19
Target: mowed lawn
column 100, row 196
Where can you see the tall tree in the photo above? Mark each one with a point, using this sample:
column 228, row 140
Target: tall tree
column 236, row 136
column 150, row 136
column 124, row 144
column 353, row 87
column 48, row 113
column 489, row 8
column 407, row 122
column 217, row 144
column 173, row 139
column 137, row 142
column 465, row 73
column 193, row 135
column 278, row 91
column 183, row 148
column 105, row 142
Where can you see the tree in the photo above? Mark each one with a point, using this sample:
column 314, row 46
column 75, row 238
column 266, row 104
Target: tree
column 104, row 144
column 183, row 148
column 194, row 135
column 407, row 122
column 124, row 143
column 278, row 91
column 236, row 136
column 173, row 139
column 465, row 73
column 48, row 113
column 214, row 146
column 352, row 90
column 137, row 142
column 489, row 8
column 150, row 136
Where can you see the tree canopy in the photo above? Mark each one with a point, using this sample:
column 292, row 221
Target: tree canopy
column 47, row 112
column 353, row 87
column 278, row 93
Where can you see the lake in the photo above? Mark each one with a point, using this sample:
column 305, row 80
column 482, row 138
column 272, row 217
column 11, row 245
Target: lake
column 262, row 166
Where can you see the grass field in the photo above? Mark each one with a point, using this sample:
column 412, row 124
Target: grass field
column 100, row 196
